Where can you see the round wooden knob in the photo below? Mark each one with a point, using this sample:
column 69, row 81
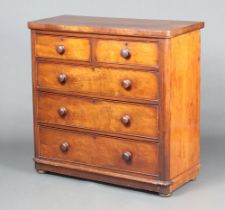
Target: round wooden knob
column 62, row 78
column 62, row 111
column 60, row 49
column 127, row 156
column 125, row 53
column 125, row 120
column 64, row 147
column 126, row 84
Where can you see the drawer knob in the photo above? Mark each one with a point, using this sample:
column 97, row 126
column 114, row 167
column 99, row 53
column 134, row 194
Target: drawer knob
column 64, row 147
column 127, row 156
column 126, row 84
column 62, row 111
column 62, row 78
column 60, row 49
column 125, row 120
column 125, row 53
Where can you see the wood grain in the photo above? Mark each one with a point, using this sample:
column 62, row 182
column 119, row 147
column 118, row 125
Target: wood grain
column 185, row 103
column 34, row 93
column 116, row 26
column 142, row 53
column 99, row 114
column 98, row 151
column 100, row 81
column 75, row 48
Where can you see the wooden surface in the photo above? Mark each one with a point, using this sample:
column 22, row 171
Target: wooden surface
column 99, row 151
column 142, row 53
column 116, row 26
column 181, row 109
column 161, row 105
column 100, row 81
column 99, row 115
column 75, row 48
column 185, row 103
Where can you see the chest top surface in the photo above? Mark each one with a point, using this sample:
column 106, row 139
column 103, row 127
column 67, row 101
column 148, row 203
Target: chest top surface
column 116, row 26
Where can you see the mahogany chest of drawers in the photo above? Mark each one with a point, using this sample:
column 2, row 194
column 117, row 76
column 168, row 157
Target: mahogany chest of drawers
column 117, row 100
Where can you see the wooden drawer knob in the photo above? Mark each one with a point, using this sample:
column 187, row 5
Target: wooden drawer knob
column 125, row 120
column 60, row 49
column 62, row 78
column 62, row 111
column 126, row 84
column 64, row 147
column 127, row 156
column 125, row 53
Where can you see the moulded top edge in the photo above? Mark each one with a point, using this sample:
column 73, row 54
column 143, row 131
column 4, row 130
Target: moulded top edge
column 116, row 26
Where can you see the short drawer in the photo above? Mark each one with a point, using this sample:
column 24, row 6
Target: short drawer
column 99, row 151
column 127, row 52
column 97, row 114
column 47, row 46
column 99, row 81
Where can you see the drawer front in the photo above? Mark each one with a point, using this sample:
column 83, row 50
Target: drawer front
column 102, row 81
column 124, row 118
column 122, row 52
column 99, row 151
column 47, row 46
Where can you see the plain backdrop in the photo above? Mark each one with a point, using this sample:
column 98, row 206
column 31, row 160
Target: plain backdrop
column 22, row 188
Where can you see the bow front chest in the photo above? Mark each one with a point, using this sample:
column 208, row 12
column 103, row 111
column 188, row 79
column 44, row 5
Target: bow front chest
column 117, row 100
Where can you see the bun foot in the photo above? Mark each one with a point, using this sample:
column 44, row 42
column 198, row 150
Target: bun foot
column 165, row 195
column 41, row 171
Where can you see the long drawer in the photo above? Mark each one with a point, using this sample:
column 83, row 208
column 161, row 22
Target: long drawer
column 100, row 81
column 98, row 151
column 97, row 114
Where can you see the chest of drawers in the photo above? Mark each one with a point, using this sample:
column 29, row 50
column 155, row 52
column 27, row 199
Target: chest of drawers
column 117, row 100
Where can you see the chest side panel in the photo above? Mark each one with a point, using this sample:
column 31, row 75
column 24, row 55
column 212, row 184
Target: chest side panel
column 184, row 103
